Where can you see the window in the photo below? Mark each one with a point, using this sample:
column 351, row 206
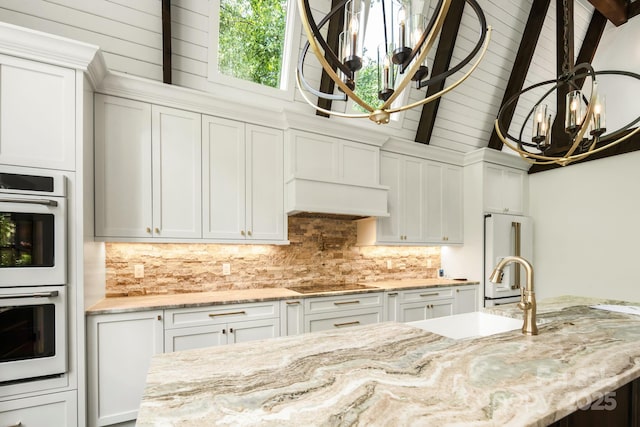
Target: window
column 252, row 43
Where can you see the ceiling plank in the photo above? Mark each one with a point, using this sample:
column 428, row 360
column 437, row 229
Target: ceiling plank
column 166, row 41
column 440, row 64
column 614, row 10
column 327, row 85
column 521, row 64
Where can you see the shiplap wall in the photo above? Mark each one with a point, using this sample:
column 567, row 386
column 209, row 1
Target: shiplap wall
column 129, row 33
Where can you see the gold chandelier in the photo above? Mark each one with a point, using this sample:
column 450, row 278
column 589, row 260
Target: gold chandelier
column 406, row 39
column 584, row 130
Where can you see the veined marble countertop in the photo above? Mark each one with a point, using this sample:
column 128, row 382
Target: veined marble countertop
column 195, row 299
column 394, row 374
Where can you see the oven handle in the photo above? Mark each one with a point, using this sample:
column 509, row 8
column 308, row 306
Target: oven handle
column 51, row 294
column 44, row 202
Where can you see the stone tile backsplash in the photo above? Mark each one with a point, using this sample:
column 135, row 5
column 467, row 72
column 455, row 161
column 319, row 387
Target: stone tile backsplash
column 321, row 250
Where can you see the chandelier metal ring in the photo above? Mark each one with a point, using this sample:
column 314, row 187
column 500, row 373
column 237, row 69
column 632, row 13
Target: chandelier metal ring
column 330, row 62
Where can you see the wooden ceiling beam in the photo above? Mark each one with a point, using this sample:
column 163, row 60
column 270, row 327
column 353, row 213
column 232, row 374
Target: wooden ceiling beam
column 440, row 64
column 614, row 10
column 327, row 85
column 634, row 9
column 166, row 41
column 521, row 64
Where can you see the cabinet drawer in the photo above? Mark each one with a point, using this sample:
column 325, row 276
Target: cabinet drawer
column 319, row 322
column 57, row 409
column 426, row 294
column 187, row 317
column 342, row 302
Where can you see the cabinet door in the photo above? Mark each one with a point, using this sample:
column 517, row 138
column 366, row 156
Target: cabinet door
column 122, row 167
column 265, row 218
column 452, row 205
column 504, row 189
column 513, row 195
column 466, row 299
column 391, row 307
column 223, row 175
column 292, row 317
column 119, row 351
column 196, row 337
column 342, row 319
column 434, row 217
column 56, row 409
column 253, row 330
column 440, row 309
column 412, row 200
column 388, row 228
column 177, row 178
column 493, row 189
column 37, row 113
column 414, row 311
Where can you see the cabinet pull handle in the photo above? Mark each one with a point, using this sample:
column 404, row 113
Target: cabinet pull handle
column 340, row 325
column 43, row 202
column 230, row 330
column 18, row 424
column 231, row 313
column 432, row 294
column 346, row 302
column 293, row 302
column 224, row 332
column 159, row 317
column 392, row 294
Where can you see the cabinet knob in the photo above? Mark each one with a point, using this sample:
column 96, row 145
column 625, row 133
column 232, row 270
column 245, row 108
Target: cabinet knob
column 242, row 232
column 224, row 332
column 249, row 232
column 149, row 230
column 230, row 330
column 157, row 230
column 159, row 317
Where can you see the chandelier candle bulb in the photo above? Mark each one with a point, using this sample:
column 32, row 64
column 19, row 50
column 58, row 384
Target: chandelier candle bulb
column 573, row 119
column 540, row 123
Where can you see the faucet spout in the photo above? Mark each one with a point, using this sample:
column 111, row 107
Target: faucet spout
column 527, row 297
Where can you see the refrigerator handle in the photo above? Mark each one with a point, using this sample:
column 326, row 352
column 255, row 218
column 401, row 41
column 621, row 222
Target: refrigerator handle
column 516, row 249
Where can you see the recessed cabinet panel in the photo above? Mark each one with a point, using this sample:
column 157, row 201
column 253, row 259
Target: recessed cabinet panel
column 56, row 409
column 197, row 337
column 253, row 330
column 361, row 163
column 37, row 113
column 413, row 194
column 313, row 156
column 122, row 167
column 504, row 189
column 389, row 227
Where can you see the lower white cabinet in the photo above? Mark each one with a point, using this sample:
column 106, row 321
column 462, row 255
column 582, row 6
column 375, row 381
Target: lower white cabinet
column 189, row 328
column 119, row 351
column 428, row 303
column 56, row 409
column 291, row 317
column 335, row 312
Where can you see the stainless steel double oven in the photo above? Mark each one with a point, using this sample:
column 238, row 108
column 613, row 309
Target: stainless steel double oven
column 33, row 274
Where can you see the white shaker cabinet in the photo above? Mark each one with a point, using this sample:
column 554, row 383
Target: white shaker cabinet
column 504, row 189
column 37, row 113
column 443, row 203
column 341, row 311
column 119, row 351
column 466, row 299
column 243, row 182
column 55, row 409
column 404, row 176
column 148, row 170
column 291, row 317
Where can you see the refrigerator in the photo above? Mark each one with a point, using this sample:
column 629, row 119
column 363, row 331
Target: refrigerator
column 506, row 235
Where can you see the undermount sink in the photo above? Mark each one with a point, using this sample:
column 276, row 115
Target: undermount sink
column 468, row 325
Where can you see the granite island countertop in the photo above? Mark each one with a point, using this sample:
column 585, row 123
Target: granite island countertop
column 197, row 299
column 395, row 374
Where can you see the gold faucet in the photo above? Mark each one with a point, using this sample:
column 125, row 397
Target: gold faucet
column 527, row 297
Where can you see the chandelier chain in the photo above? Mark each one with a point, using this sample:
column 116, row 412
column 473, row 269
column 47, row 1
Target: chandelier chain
column 566, row 67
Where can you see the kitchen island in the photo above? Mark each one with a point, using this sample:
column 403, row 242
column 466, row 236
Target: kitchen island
column 395, row 374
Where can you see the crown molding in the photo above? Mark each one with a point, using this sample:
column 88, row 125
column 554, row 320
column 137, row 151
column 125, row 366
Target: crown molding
column 43, row 47
column 490, row 155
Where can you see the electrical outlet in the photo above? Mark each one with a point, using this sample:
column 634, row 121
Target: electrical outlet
column 226, row 269
column 389, row 264
column 138, row 271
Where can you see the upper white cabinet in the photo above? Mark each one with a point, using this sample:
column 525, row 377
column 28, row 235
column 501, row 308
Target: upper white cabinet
column 148, row 170
column 37, row 113
column 425, row 203
column 405, row 177
column 504, row 189
column 332, row 175
column 243, row 180
column 444, row 203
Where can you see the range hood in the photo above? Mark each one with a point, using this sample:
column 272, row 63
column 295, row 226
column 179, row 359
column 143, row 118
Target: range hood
column 333, row 199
